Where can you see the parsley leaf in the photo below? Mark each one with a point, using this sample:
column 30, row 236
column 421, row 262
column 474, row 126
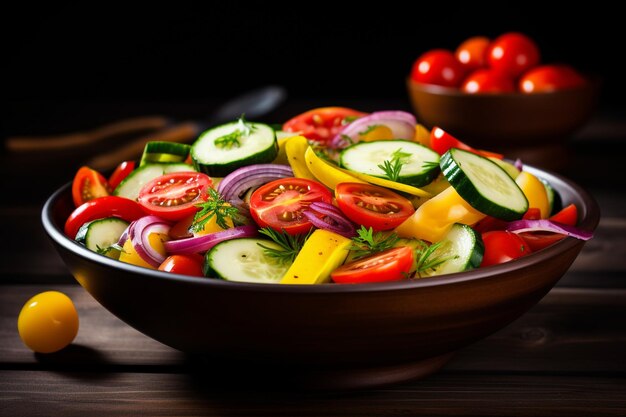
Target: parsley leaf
column 369, row 243
column 244, row 129
column 216, row 207
column 290, row 245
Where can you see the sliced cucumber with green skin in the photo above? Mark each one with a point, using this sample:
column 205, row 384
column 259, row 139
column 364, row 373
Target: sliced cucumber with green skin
column 508, row 167
column 164, row 152
column 132, row 184
column 222, row 149
column 484, row 185
column 100, row 234
column 243, row 260
column 462, row 248
column 419, row 164
column 554, row 198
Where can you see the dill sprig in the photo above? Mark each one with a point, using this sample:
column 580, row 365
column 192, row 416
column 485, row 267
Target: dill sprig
column 392, row 167
column 427, row 259
column 234, row 138
column 290, row 245
column 216, row 207
column 368, row 243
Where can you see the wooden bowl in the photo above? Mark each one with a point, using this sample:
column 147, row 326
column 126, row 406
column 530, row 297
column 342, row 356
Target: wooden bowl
column 501, row 122
column 326, row 336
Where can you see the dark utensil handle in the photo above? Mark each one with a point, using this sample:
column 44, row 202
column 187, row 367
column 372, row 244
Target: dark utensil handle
column 182, row 132
column 59, row 142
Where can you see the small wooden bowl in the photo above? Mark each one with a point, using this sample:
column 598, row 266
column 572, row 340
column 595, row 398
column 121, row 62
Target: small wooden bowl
column 503, row 121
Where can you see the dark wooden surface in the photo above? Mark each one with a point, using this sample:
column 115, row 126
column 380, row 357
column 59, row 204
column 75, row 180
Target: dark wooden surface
column 564, row 357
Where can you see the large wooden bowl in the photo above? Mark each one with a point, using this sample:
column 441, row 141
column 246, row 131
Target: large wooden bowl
column 330, row 336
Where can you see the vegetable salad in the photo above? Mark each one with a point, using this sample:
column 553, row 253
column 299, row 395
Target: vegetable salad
column 337, row 196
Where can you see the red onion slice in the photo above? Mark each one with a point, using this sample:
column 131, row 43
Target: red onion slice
column 124, row 236
column 139, row 232
column 402, row 125
column 518, row 164
column 331, row 219
column 235, row 184
column 204, row 243
column 543, row 225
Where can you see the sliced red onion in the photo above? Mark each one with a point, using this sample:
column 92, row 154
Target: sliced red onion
column 332, row 219
column 204, row 243
column 543, row 225
column 402, row 125
column 518, row 164
column 235, row 184
column 124, row 236
column 139, row 232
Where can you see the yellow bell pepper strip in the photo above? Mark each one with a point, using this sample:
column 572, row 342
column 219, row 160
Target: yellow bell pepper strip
column 281, row 157
column 326, row 173
column 295, row 147
column 323, row 252
column 535, row 192
column 130, row 255
column 405, row 188
column 433, row 219
column 422, row 135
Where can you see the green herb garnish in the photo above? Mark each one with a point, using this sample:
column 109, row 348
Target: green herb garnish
column 216, row 207
column 101, row 250
column 392, row 167
column 290, row 245
column 429, row 164
column 349, row 119
column 234, row 138
column 426, row 258
column 368, row 243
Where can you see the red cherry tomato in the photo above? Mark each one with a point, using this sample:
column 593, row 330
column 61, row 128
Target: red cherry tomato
column 472, row 53
column 372, row 206
column 99, row 208
column 175, row 196
column 438, row 67
column 548, row 78
column 513, row 53
column 488, row 80
column 533, row 213
column 87, row 185
column 502, row 246
column 183, row 264
column 120, row 173
column 390, row 265
column 441, row 141
column 569, row 215
column 279, row 204
column 321, row 124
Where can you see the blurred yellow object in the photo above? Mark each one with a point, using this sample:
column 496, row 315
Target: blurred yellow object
column 422, row 135
column 295, row 148
column 535, row 192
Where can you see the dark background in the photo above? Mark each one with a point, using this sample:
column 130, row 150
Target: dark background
column 59, row 59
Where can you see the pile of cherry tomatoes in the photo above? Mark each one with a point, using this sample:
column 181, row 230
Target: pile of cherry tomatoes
column 508, row 64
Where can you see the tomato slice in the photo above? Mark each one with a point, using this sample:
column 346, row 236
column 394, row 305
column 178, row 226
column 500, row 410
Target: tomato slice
column 502, row 246
column 390, row 265
column 321, row 124
column 120, row 173
column 87, row 185
column 372, row 206
column 279, row 204
column 183, row 264
column 441, row 141
column 101, row 207
column 568, row 215
column 174, row 196
column 539, row 240
column 533, row 213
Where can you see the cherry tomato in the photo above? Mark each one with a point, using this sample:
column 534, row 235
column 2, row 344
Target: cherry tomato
column 87, row 185
column 438, row 67
column 533, row 213
column 183, row 264
column 99, row 208
column 488, row 80
column 548, row 78
column 502, row 246
column 321, row 124
column 569, row 215
column 513, row 53
column 372, row 206
column 472, row 53
column 120, row 173
column 441, row 141
column 390, row 265
column 48, row 322
column 174, row 196
column 279, row 204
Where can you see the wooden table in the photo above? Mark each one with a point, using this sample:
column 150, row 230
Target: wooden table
column 566, row 356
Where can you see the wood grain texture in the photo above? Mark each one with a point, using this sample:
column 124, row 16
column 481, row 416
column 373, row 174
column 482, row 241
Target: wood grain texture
column 79, row 394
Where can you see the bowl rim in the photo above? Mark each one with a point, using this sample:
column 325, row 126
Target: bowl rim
column 590, row 219
column 592, row 85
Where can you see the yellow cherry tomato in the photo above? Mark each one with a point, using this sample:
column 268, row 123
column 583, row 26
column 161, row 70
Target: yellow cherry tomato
column 48, row 322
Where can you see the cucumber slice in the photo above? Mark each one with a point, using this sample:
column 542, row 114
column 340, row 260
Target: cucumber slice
column 243, row 260
column 222, row 149
column 484, row 185
column 509, row 168
column 554, row 198
column 462, row 247
column 132, row 184
column 419, row 165
column 100, row 234
column 164, row 152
